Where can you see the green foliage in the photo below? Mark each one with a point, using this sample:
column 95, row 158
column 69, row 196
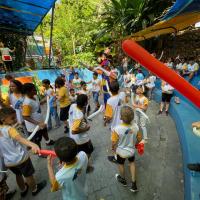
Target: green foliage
column 80, row 60
column 75, row 24
column 83, row 27
column 124, row 17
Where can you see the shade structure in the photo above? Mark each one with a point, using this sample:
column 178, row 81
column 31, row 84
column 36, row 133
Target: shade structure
column 23, row 16
column 183, row 14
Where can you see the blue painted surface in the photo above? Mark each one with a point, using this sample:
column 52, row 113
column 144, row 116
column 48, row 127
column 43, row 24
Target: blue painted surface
column 84, row 74
column 184, row 115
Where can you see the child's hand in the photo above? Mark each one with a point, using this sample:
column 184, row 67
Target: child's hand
column 50, row 160
column 35, row 148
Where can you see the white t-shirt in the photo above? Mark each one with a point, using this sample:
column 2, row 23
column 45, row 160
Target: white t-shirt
column 194, row 67
column 73, row 98
column 77, row 83
column 127, row 80
column 179, row 66
column 167, row 88
column 5, row 51
column 72, row 179
column 12, row 151
column 32, row 109
column 151, row 83
column 96, row 85
column 170, row 64
column 126, row 135
column 49, row 92
column 77, row 119
column 113, row 108
column 16, row 103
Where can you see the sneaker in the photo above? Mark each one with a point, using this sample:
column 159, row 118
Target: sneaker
column 121, row 180
column 167, row 113
column 89, row 169
column 112, row 159
column 160, row 112
column 40, row 186
column 194, row 167
column 134, row 187
column 24, row 193
column 50, row 143
column 10, row 194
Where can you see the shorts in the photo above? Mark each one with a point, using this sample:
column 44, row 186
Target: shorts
column 96, row 97
column 37, row 138
column 106, row 96
column 26, row 169
column 121, row 160
column 86, row 147
column 64, row 113
column 166, row 97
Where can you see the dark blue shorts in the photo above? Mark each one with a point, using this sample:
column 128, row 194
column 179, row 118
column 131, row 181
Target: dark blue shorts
column 106, row 96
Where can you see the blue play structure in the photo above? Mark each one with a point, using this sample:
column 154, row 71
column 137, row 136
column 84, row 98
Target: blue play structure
column 52, row 74
column 184, row 114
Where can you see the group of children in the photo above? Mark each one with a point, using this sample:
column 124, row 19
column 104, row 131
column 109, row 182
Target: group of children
column 186, row 67
column 74, row 151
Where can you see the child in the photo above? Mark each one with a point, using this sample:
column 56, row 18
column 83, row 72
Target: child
column 64, row 101
column 72, row 96
column 96, row 87
column 127, row 79
column 32, row 115
column 52, row 103
column 139, row 77
column 141, row 102
column 85, row 91
column 167, row 93
column 71, row 178
column 150, row 85
column 76, row 82
column 112, row 113
column 15, row 155
column 124, row 137
column 79, row 127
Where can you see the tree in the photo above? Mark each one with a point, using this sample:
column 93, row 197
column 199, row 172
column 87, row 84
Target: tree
column 124, row 17
column 75, row 23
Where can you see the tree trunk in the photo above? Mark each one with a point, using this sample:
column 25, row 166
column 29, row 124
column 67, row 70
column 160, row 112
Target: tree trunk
column 74, row 44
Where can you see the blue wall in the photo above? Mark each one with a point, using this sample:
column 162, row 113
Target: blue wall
column 184, row 114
